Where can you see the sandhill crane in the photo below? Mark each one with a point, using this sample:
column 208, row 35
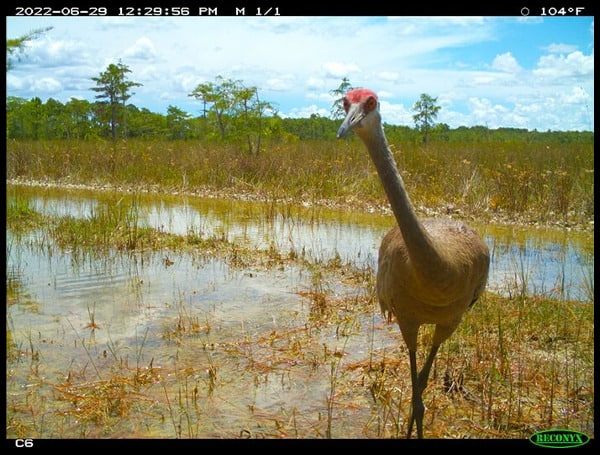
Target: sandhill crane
column 429, row 271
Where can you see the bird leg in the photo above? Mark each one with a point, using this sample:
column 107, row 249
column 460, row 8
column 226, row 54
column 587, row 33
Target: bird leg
column 419, row 383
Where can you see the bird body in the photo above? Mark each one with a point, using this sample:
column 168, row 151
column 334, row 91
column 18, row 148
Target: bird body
column 429, row 271
column 439, row 294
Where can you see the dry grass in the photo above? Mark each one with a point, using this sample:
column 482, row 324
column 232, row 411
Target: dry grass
column 516, row 365
column 335, row 369
column 530, row 183
column 498, row 377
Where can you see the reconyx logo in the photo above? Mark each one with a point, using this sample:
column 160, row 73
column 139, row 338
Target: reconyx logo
column 559, row 438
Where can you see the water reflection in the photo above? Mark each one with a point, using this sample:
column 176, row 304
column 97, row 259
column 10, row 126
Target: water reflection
column 551, row 263
column 68, row 289
column 121, row 301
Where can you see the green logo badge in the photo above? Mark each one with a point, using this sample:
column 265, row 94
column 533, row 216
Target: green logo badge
column 559, row 438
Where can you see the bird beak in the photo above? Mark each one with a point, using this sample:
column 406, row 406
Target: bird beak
column 353, row 117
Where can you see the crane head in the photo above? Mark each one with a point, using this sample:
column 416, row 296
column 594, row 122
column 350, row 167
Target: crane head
column 362, row 108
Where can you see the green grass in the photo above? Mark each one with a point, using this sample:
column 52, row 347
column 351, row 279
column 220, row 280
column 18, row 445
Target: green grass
column 21, row 215
column 532, row 183
column 516, row 365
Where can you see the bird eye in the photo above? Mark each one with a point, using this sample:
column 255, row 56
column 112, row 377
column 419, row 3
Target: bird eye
column 346, row 104
column 371, row 104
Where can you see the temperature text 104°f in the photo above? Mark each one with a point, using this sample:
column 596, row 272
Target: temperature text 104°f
column 563, row 11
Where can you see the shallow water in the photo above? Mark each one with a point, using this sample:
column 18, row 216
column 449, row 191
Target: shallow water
column 555, row 264
column 131, row 295
column 541, row 261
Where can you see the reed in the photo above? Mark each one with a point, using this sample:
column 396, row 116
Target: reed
column 517, row 364
column 537, row 183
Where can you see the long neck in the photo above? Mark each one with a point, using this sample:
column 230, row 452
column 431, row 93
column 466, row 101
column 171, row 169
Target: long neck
column 419, row 244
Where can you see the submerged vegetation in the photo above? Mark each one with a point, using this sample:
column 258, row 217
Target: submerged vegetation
column 324, row 365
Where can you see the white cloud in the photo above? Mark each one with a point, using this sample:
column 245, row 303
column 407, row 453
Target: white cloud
column 396, row 114
column 46, row 85
column 13, row 82
column 507, row 63
column 453, row 118
column 484, row 79
column 486, row 113
column 561, row 66
column 560, row 48
column 314, row 83
column 143, row 49
column 389, row 75
column 382, row 94
column 577, row 96
column 297, row 61
column 52, row 53
column 186, row 81
column 323, row 97
column 339, row 70
column 278, row 84
column 307, row 111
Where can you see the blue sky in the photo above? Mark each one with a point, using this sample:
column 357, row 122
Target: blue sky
column 534, row 72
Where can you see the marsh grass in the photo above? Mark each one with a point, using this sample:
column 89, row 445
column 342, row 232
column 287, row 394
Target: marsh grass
column 534, row 183
column 113, row 224
column 20, row 215
column 187, row 324
column 516, row 365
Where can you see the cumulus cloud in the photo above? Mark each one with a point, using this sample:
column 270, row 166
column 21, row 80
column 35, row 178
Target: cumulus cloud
column 186, row 80
column 562, row 66
column 278, row 84
column 143, row 49
column 483, row 105
column 307, row 111
column 396, row 114
column 314, row 83
column 42, row 87
column 13, row 82
column 506, row 62
column 148, row 73
column 486, row 113
column 51, row 53
column 46, row 85
column 323, row 97
column 577, row 95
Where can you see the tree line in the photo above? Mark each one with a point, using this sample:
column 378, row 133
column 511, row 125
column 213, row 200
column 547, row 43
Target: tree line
column 33, row 119
column 230, row 112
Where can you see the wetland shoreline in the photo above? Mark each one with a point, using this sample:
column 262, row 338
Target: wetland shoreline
column 140, row 333
column 237, row 193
